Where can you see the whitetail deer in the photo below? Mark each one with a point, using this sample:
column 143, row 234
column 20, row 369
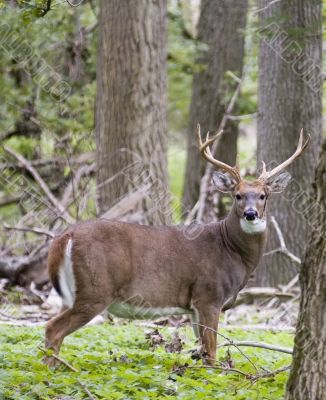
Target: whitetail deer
column 142, row 272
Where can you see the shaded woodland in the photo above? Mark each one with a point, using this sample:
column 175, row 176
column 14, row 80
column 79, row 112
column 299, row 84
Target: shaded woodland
column 100, row 102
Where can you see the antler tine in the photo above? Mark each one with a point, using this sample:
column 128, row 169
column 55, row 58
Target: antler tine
column 207, row 154
column 299, row 150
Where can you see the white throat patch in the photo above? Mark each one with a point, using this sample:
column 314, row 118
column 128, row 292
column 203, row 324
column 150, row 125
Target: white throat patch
column 256, row 226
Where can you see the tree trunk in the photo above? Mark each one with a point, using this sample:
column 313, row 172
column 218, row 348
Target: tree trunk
column 289, row 100
column 220, row 30
column 131, row 106
column 307, row 378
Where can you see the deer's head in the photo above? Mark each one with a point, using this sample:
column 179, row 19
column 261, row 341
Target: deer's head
column 250, row 197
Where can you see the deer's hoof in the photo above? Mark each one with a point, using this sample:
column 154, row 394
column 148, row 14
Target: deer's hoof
column 51, row 362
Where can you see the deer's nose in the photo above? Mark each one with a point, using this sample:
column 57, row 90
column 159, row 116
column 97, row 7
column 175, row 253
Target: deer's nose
column 250, row 214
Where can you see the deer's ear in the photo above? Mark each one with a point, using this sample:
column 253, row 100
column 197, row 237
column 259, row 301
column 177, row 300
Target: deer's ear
column 224, row 182
column 279, row 183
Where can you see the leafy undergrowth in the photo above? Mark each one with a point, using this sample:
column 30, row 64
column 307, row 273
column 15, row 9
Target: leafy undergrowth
column 119, row 362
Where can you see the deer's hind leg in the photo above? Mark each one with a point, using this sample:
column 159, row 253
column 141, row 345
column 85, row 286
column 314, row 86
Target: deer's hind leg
column 65, row 323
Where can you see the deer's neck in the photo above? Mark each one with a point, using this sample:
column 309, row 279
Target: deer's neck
column 249, row 245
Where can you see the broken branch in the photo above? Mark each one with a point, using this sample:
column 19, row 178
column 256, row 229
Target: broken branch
column 282, row 249
column 38, row 231
column 41, row 183
column 256, row 344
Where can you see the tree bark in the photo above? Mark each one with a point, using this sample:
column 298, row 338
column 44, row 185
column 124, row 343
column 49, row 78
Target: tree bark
column 307, row 378
column 289, row 100
column 131, row 106
column 220, row 30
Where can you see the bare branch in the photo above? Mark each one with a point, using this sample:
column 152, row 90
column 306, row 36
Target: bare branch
column 278, row 232
column 292, row 283
column 250, row 377
column 252, row 293
column 241, row 117
column 61, row 360
column 127, row 203
column 266, row 7
column 38, row 231
column 91, row 28
column 219, row 367
column 191, row 214
column 41, row 183
column 230, row 341
column 209, row 167
column 270, row 373
column 282, row 249
column 54, row 161
column 65, row 363
column 256, row 344
column 73, row 184
column 89, row 394
column 6, row 201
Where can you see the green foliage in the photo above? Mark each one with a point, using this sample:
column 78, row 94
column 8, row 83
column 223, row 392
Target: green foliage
column 116, row 362
column 39, row 54
column 49, row 42
column 176, row 166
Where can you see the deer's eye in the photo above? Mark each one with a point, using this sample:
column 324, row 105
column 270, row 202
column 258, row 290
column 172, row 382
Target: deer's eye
column 262, row 197
column 238, row 196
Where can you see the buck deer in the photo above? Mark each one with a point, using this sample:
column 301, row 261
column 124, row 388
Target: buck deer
column 138, row 271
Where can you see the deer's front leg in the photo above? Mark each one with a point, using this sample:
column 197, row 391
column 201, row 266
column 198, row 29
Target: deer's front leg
column 208, row 321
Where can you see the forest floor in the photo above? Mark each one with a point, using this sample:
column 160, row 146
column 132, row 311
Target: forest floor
column 121, row 359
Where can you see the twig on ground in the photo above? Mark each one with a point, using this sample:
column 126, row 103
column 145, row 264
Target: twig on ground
column 270, row 373
column 89, row 394
column 220, row 368
column 251, row 377
column 256, row 344
column 61, row 360
column 229, row 340
column 9, row 317
column 36, row 292
column 285, row 289
column 64, row 362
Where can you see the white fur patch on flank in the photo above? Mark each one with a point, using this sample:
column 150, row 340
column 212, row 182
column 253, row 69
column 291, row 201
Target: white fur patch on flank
column 66, row 278
column 256, row 226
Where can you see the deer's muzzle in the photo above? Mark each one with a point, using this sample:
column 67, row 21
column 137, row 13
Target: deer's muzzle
column 250, row 214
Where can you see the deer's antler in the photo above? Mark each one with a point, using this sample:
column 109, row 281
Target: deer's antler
column 206, row 153
column 265, row 175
